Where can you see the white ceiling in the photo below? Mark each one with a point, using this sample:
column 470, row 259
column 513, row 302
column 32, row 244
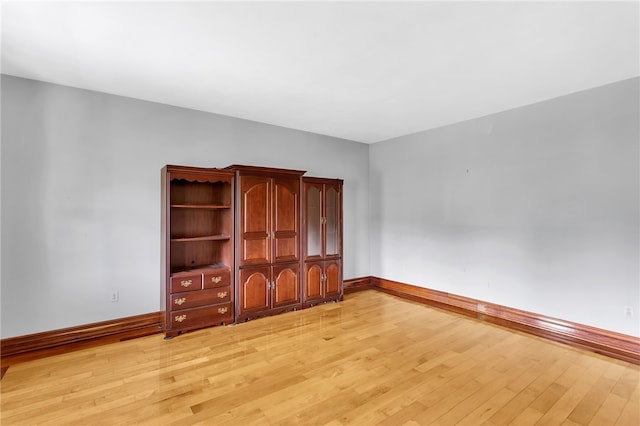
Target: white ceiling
column 364, row 71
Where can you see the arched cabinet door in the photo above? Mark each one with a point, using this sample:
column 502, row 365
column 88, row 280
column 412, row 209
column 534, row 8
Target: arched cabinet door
column 286, row 285
column 313, row 279
column 255, row 235
column 286, row 219
column 332, row 278
column 254, row 289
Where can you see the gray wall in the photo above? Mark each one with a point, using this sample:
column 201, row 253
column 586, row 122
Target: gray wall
column 535, row 208
column 81, row 196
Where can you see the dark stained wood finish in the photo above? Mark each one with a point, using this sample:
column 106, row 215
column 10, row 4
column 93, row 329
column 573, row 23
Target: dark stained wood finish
column 254, row 289
column 313, row 282
column 605, row 342
column 358, row 284
column 285, row 285
column 333, row 279
column 198, row 247
column 255, row 234
column 268, row 235
column 322, row 240
column 193, row 299
column 117, row 329
column 286, row 219
column 203, row 316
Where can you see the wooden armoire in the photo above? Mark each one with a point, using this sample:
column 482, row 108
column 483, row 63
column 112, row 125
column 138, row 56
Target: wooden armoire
column 247, row 241
column 268, row 238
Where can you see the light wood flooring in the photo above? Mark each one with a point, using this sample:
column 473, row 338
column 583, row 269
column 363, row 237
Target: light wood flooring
column 372, row 359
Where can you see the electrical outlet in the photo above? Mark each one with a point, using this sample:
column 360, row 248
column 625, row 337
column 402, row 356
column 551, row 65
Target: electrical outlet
column 115, row 296
column 628, row 311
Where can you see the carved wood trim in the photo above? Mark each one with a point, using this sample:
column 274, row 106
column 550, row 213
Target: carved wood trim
column 123, row 328
column 605, row 342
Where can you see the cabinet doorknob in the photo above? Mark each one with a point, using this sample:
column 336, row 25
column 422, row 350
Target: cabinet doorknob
column 180, row 318
column 222, row 294
column 216, row 279
column 186, row 283
column 223, row 310
column 180, row 301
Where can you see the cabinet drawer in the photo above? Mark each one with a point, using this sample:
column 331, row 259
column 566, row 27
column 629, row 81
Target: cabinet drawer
column 180, row 283
column 207, row 315
column 192, row 299
column 217, row 278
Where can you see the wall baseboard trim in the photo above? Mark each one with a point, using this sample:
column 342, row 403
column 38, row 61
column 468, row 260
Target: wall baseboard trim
column 358, row 284
column 117, row 329
column 609, row 343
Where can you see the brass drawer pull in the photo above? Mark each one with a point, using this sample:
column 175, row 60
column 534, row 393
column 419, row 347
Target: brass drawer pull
column 186, row 283
column 180, row 301
column 216, row 279
column 222, row 294
column 180, row 318
column 223, row 310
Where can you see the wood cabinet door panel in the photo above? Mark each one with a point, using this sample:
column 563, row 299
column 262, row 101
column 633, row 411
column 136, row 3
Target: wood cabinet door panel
column 255, row 199
column 332, row 221
column 255, row 217
column 286, row 280
column 312, row 281
column 254, row 250
column 286, row 248
column 286, row 219
column 332, row 279
column 254, row 289
column 286, row 193
column 313, row 220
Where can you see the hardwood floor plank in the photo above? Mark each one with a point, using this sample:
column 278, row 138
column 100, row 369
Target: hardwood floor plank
column 372, row 359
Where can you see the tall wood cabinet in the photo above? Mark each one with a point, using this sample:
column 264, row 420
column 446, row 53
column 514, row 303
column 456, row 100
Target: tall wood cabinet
column 268, row 217
column 322, row 240
column 245, row 242
column 198, row 248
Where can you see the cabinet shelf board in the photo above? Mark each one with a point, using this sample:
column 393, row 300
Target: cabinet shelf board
column 199, row 206
column 186, row 270
column 203, row 238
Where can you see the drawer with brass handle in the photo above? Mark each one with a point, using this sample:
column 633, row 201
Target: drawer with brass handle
column 192, row 299
column 217, row 278
column 204, row 315
column 183, row 282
